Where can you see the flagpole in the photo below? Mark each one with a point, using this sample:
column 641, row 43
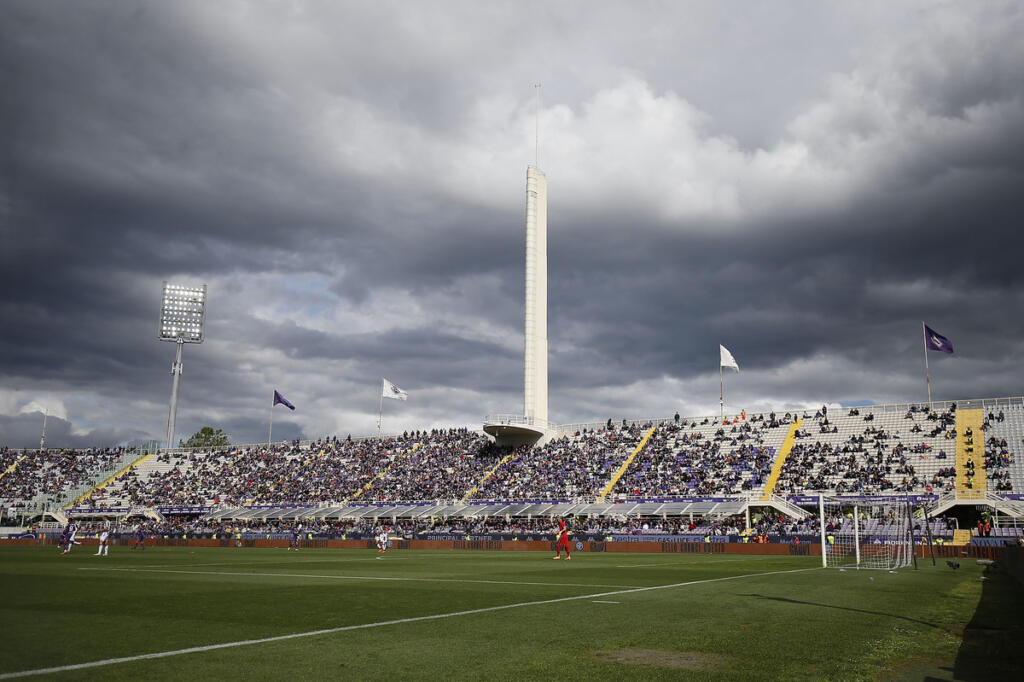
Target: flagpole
column 927, row 373
column 721, row 394
column 380, row 410
column 270, row 434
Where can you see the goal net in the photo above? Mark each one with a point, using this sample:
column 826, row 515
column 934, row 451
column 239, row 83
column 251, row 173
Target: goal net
column 866, row 532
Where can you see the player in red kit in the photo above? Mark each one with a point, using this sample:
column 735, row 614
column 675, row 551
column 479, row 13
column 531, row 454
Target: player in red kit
column 563, row 541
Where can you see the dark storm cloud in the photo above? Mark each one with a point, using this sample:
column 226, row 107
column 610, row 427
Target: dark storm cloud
column 434, row 356
column 27, row 430
column 349, row 182
column 786, row 292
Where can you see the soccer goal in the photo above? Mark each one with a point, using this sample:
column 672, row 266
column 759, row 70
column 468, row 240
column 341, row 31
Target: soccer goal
column 866, row 532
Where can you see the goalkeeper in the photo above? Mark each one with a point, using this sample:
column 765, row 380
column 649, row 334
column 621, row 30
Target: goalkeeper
column 563, row 541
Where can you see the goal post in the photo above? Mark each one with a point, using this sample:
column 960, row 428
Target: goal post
column 866, row 532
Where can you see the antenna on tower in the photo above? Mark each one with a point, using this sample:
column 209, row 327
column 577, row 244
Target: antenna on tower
column 42, row 438
column 536, row 130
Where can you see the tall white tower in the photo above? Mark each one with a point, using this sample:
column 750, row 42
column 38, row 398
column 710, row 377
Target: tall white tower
column 535, row 361
column 525, row 429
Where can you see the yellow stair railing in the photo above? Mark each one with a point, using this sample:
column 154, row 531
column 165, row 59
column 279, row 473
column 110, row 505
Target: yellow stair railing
column 119, row 474
column 383, row 473
column 970, row 447
column 258, row 495
column 780, row 460
column 13, row 466
column 483, row 480
column 625, row 465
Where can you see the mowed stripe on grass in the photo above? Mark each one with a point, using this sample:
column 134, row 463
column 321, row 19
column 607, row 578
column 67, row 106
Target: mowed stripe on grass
column 363, row 626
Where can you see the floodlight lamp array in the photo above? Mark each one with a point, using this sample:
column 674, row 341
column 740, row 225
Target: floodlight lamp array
column 182, row 311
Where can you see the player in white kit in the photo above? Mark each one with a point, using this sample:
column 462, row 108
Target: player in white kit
column 104, row 547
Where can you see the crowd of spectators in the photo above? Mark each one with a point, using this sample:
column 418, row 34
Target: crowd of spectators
column 872, row 461
column 701, row 460
column 581, row 465
column 446, row 466
column 998, row 459
column 846, row 454
column 194, row 479
column 416, row 465
column 49, row 475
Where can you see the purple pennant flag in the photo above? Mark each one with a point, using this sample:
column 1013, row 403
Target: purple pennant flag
column 936, row 341
column 280, row 399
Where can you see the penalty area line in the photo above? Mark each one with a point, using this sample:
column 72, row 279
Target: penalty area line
column 364, row 626
column 275, row 560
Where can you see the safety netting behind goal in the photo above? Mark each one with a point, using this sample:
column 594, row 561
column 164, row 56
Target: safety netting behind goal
column 866, row 532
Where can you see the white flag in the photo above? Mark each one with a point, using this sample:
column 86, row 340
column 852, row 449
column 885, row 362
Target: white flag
column 727, row 359
column 389, row 390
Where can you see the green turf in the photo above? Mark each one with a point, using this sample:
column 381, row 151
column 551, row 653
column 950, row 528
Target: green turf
column 754, row 621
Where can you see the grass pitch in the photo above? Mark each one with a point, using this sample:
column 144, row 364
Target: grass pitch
column 270, row 614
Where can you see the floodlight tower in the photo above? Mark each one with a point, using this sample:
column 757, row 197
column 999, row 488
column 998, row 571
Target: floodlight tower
column 182, row 313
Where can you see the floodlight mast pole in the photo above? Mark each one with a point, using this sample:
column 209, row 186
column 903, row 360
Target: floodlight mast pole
column 182, row 313
column 176, row 373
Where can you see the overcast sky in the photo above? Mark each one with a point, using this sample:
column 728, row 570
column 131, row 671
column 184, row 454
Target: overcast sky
column 803, row 182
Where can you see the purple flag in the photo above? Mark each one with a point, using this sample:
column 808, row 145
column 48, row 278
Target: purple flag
column 936, row 341
column 278, row 398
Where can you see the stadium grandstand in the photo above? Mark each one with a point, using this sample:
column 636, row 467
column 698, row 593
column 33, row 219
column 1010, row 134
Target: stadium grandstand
column 757, row 474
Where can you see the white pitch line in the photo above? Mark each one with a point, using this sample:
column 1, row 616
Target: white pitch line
column 275, row 560
column 364, row 626
column 349, row 577
column 688, row 564
column 222, row 563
